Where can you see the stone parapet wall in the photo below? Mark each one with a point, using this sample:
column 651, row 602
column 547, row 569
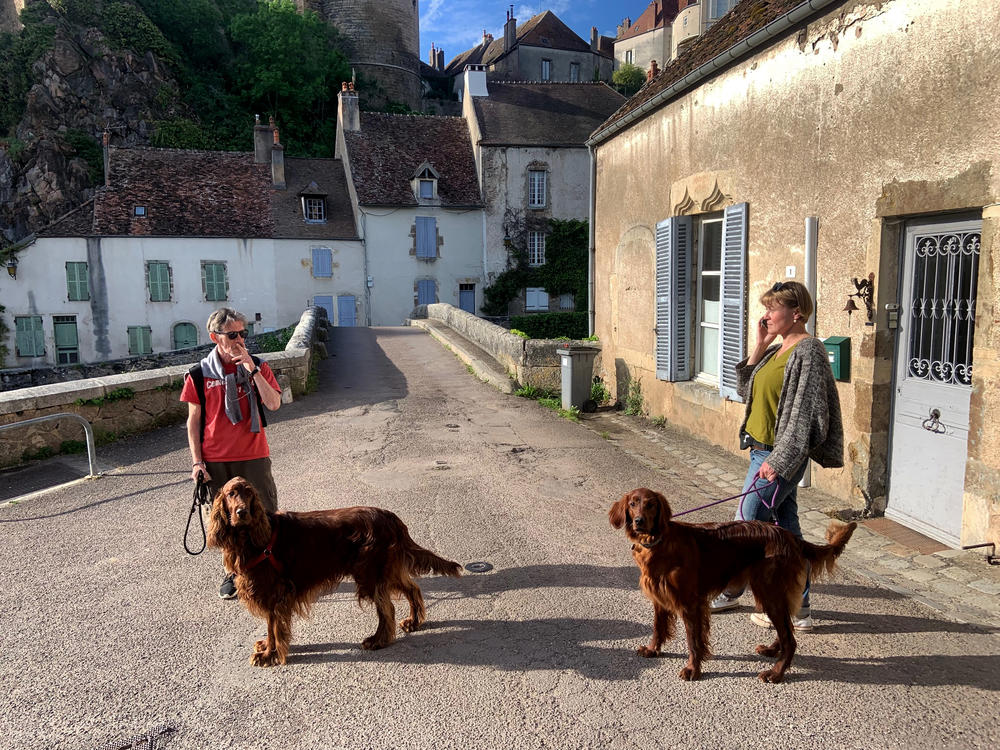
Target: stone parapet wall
column 127, row 403
column 534, row 362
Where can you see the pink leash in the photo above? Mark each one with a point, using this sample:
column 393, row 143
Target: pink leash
column 733, row 497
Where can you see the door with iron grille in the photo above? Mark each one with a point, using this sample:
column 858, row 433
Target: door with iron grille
column 933, row 380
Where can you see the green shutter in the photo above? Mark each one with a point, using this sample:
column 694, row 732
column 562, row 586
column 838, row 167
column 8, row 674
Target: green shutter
column 158, row 281
column 29, row 338
column 213, row 278
column 139, row 340
column 77, row 284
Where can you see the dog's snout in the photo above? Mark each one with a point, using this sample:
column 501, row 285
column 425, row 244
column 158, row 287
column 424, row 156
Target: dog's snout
column 241, row 512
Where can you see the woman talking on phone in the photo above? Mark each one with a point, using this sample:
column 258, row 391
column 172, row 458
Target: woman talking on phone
column 792, row 414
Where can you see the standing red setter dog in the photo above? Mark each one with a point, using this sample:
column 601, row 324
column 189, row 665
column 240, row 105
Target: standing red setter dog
column 684, row 565
column 284, row 561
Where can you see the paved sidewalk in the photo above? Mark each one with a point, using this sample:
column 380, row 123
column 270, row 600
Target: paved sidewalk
column 960, row 584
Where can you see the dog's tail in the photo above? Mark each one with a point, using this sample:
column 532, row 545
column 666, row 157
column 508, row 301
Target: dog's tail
column 823, row 557
column 423, row 561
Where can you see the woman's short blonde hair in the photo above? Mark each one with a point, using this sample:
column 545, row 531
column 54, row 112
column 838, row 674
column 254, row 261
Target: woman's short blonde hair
column 790, row 294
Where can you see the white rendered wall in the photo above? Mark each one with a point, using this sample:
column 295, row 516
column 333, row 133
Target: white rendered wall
column 297, row 286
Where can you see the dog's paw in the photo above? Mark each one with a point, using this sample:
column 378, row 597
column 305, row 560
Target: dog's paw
column 370, row 644
column 647, row 653
column 771, row 650
column 409, row 625
column 770, row 675
column 260, row 645
column 265, row 658
column 690, row 674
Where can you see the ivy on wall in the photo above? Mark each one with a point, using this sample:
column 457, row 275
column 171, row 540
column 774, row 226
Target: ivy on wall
column 564, row 270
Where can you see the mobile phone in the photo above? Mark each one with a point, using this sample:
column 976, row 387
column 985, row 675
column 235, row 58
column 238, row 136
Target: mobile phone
column 762, row 323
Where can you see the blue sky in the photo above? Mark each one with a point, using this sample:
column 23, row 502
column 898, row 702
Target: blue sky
column 457, row 25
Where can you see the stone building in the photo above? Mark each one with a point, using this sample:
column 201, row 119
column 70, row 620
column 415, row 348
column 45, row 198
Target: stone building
column 851, row 145
column 382, row 41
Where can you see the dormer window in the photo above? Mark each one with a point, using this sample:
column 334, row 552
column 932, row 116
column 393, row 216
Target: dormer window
column 314, row 209
column 425, row 183
column 138, row 210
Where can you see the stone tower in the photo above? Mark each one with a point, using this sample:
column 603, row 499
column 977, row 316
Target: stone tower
column 9, row 11
column 382, row 42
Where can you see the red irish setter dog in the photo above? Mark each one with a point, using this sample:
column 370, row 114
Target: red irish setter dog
column 684, row 565
column 284, row 561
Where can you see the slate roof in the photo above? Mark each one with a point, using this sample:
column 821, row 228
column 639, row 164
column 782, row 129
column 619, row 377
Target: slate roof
column 543, row 114
column 744, row 19
column 387, row 151
column 316, row 177
column 77, row 223
column 658, row 14
column 186, row 193
column 542, row 30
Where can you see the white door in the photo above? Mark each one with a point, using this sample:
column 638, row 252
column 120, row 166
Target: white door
column 933, row 382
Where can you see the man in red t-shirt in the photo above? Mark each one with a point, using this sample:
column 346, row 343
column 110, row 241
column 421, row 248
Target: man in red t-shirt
column 228, row 440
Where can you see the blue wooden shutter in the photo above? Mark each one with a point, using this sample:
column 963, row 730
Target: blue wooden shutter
column 732, row 338
column 322, row 263
column 426, row 237
column 326, row 302
column 426, row 292
column 673, row 299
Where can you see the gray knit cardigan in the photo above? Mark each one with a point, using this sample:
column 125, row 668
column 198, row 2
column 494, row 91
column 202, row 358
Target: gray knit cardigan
column 808, row 422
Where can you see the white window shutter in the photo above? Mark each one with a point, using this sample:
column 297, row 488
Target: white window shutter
column 673, row 299
column 732, row 340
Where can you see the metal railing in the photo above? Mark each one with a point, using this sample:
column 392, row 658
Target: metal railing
column 64, row 415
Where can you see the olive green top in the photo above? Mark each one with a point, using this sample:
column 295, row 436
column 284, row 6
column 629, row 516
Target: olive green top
column 766, row 394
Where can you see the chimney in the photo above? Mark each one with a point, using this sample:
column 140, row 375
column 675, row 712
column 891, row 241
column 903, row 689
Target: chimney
column 432, row 61
column 595, row 39
column 510, row 31
column 261, row 140
column 653, row 70
column 475, row 81
column 348, row 115
column 277, row 162
column 106, row 142
column 440, row 59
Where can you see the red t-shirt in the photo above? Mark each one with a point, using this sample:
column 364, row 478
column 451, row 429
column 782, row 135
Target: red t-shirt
column 225, row 441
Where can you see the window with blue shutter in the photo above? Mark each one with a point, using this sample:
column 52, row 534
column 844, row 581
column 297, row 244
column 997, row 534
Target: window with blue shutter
column 732, row 342
column 536, row 298
column 322, row 262
column 158, row 281
column 426, row 237
column 140, row 340
column 673, row 298
column 77, row 284
column 426, row 292
column 213, row 281
column 29, row 338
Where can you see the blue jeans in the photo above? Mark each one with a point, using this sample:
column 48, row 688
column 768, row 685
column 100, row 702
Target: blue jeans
column 754, row 505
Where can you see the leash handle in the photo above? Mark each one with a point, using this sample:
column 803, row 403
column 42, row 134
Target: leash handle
column 733, row 497
column 201, row 497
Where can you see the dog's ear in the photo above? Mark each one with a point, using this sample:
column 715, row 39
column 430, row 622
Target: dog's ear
column 664, row 514
column 260, row 524
column 218, row 522
column 619, row 511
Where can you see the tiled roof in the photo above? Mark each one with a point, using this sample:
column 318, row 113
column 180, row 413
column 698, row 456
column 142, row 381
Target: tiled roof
column 317, row 177
column 387, row 151
column 542, row 30
column 743, row 20
column 77, row 223
column 185, row 193
column 658, row 14
column 543, row 114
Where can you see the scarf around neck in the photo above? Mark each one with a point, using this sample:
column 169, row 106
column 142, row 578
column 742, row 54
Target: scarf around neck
column 211, row 367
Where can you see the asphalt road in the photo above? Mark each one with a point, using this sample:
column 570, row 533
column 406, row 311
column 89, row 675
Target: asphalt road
column 109, row 631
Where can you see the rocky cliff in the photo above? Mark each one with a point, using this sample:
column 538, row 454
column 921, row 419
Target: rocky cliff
column 80, row 87
column 9, row 10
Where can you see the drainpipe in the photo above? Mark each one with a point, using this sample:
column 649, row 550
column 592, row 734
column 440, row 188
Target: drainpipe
column 592, row 249
column 812, row 232
column 364, row 257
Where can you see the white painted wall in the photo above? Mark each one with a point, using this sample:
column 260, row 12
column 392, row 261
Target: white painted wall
column 395, row 269
column 266, row 277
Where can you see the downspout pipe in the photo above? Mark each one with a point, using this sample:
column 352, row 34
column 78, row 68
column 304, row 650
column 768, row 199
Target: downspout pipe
column 592, row 254
column 809, row 278
column 775, row 28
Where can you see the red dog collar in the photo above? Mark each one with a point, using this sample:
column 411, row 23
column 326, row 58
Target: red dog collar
column 266, row 554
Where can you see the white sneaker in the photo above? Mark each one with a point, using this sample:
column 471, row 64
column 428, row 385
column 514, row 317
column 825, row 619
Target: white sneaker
column 723, row 602
column 800, row 624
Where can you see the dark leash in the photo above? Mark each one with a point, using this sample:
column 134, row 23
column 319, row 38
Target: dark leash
column 769, row 506
column 202, row 496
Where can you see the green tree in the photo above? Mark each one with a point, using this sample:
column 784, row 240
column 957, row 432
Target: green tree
column 628, row 78
column 288, row 64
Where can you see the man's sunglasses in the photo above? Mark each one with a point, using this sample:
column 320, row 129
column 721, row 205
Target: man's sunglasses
column 233, row 334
